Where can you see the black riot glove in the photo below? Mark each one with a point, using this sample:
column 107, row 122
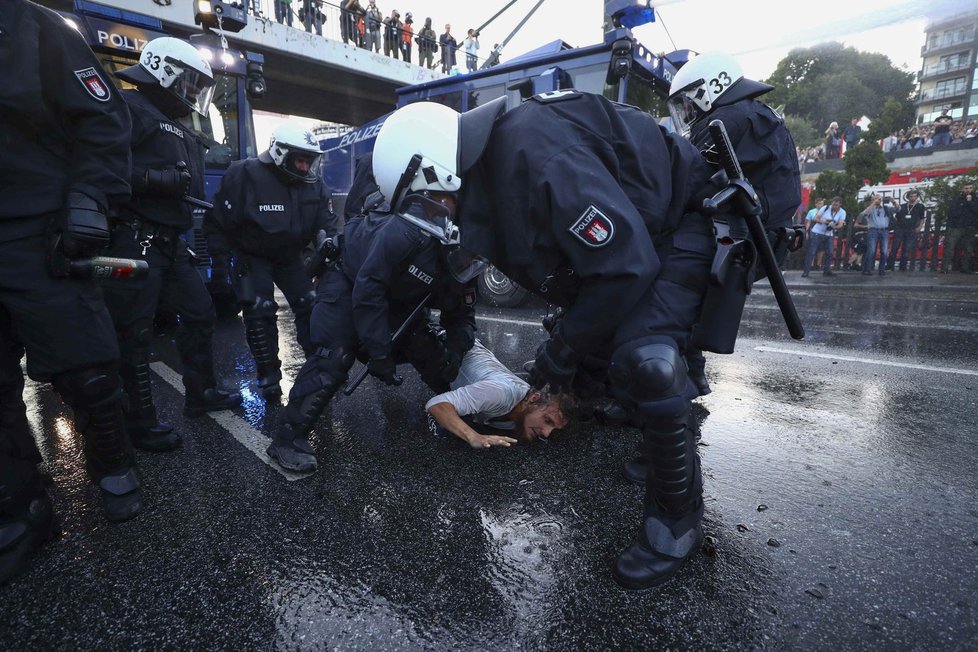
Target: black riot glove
column 459, row 340
column 384, row 369
column 555, row 365
column 450, row 367
column 173, row 182
column 84, row 226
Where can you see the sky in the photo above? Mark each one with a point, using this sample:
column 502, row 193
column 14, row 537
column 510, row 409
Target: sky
column 758, row 32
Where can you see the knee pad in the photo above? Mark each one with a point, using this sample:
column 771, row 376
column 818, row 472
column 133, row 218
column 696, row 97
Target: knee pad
column 260, row 309
column 303, row 307
column 324, row 368
column 90, row 387
column 651, row 374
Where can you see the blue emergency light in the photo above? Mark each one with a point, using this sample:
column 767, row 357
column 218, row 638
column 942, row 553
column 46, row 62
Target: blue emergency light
column 630, row 13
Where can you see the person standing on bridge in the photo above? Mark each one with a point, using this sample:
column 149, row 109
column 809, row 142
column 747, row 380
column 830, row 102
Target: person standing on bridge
column 407, row 33
column 267, row 210
column 172, row 80
column 374, row 21
column 448, row 47
column 427, row 42
column 64, row 165
column 392, row 34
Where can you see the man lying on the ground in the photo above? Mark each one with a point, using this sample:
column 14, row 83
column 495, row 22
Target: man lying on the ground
column 488, row 393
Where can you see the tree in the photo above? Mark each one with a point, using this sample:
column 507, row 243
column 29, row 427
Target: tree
column 894, row 115
column 866, row 163
column 831, row 184
column 802, row 131
column 829, row 82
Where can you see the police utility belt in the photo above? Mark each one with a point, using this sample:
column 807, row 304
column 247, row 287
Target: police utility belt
column 151, row 234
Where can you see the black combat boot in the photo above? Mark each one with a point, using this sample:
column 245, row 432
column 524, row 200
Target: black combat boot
column 261, row 332
column 96, row 397
column 26, row 523
column 696, row 371
column 145, row 429
column 671, row 531
column 194, row 341
column 201, row 400
column 290, row 446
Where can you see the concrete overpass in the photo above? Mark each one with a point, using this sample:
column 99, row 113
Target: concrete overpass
column 307, row 74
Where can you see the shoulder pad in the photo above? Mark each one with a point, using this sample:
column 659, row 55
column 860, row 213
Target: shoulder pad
column 557, row 96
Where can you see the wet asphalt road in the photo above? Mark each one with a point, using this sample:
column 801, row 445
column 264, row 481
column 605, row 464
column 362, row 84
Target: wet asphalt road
column 840, row 487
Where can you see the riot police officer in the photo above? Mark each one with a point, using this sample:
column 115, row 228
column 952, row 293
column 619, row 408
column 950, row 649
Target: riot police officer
column 586, row 203
column 712, row 86
column 64, row 164
column 172, row 80
column 390, row 265
column 267, row 210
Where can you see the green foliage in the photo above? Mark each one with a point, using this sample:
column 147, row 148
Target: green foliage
column 831, row 184
column 802, row 131
column 866, row 163
column 940, row 193
column 829, row 82
column 894, row 116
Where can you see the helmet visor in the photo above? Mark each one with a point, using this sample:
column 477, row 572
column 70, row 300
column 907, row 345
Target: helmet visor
column 431, row 216
column 684, row 113
column 462, row 264
column 303, row 165
column 193, row 88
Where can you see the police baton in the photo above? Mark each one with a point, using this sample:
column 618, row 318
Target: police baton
column 353, row 384
column 740, row 188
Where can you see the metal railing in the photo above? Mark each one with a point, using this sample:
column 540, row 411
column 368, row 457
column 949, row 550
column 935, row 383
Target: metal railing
column 944, row 93
column 948, row 41
column 331, row 25
column 944, row 67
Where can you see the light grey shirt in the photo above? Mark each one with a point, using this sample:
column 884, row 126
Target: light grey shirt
column 484, row 390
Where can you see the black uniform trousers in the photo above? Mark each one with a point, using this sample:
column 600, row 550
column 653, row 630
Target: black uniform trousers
column 255, row 279
column 172, row 282
column 63, row 326
column 334, row 334
column 667, row 313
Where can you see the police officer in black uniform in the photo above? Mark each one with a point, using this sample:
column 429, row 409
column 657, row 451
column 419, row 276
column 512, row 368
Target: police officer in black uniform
column 710, row 87
column 64, row 164
column 172, row 79
column 389, row 266
column 267, row 210
column 586, row 203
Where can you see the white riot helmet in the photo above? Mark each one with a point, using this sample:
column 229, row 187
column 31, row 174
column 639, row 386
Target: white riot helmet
column 708, row 81
column 295, row 151
column 176, row 66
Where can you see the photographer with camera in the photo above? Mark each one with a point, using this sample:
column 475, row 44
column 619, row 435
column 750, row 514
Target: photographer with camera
column 822, row 236
column 875, row 220
column 471, row 45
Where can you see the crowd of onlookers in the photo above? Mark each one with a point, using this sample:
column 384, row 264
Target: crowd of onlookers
column 945, row 130
column 364, row 25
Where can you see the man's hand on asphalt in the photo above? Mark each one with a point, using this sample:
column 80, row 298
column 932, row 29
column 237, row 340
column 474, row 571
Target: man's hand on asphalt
column 478, row 441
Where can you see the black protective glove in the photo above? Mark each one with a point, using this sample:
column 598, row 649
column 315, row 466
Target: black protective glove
column 450, row 367
column 84, row 226
column 458, row 341
column 555, row 365
column 384, row 369
column 171, row 182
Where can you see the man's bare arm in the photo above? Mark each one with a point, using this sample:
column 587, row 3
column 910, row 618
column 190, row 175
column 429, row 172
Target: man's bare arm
column 448, row 418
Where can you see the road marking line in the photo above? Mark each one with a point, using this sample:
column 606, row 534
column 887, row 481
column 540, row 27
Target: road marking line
column 883, row 363
column 510, row 321
column 246, row 434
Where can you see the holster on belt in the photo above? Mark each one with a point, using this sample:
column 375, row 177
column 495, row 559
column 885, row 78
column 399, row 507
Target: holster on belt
column 730, row 281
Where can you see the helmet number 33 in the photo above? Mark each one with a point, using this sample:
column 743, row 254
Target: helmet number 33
column 720, row 82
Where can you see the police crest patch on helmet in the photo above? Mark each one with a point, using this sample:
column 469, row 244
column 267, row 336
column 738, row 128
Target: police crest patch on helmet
column 593, row 228
column 93, row 83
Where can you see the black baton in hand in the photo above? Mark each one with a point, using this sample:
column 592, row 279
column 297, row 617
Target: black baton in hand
column 353, row 384
column 748, row 207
